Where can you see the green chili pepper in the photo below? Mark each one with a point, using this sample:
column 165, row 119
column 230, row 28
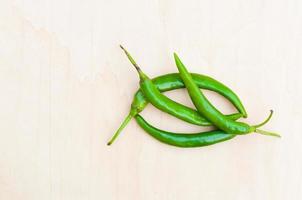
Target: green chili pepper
column 162, row 102
column 151, row 92
column 184, row 140
column 173, row 81
column 206, row 109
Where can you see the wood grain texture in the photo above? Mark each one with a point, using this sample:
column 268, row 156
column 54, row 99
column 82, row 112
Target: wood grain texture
column 66, row 86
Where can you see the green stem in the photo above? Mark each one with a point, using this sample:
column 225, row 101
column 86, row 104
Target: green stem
column 267, row 133
column 265, row 121
column 130, row 57
column 141, row 74
column 123, row 125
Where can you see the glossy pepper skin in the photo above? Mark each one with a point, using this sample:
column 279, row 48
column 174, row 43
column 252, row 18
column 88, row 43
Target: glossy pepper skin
column 184, row 140
column 208, row 83
column 206, row 109
column 167, row 105
column 173, row 81
column 150, row 90
column 162, row 102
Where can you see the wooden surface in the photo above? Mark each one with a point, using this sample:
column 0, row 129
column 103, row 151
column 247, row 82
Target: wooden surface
column 66, row 86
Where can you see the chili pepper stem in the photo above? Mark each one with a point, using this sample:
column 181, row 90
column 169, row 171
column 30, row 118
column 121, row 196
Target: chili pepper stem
column 265, row 121
column 123, row 125
column 138, row 69
column 267, row 133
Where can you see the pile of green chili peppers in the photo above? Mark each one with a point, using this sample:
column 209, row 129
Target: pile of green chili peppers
column 226, row 126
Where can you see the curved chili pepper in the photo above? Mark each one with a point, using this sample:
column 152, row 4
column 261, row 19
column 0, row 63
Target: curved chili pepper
column 173, row 81
column 206, row 109
column 184, row 140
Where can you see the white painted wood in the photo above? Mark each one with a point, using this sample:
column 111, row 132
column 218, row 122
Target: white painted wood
column 66, row 86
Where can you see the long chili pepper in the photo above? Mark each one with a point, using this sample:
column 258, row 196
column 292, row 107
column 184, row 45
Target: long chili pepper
column 151, row 92
column 184, row 140
column 162, row 102
column 206, row 109
column 173, row 81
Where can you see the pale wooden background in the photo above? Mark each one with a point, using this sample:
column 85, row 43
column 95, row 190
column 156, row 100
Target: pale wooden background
column 66, row 86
